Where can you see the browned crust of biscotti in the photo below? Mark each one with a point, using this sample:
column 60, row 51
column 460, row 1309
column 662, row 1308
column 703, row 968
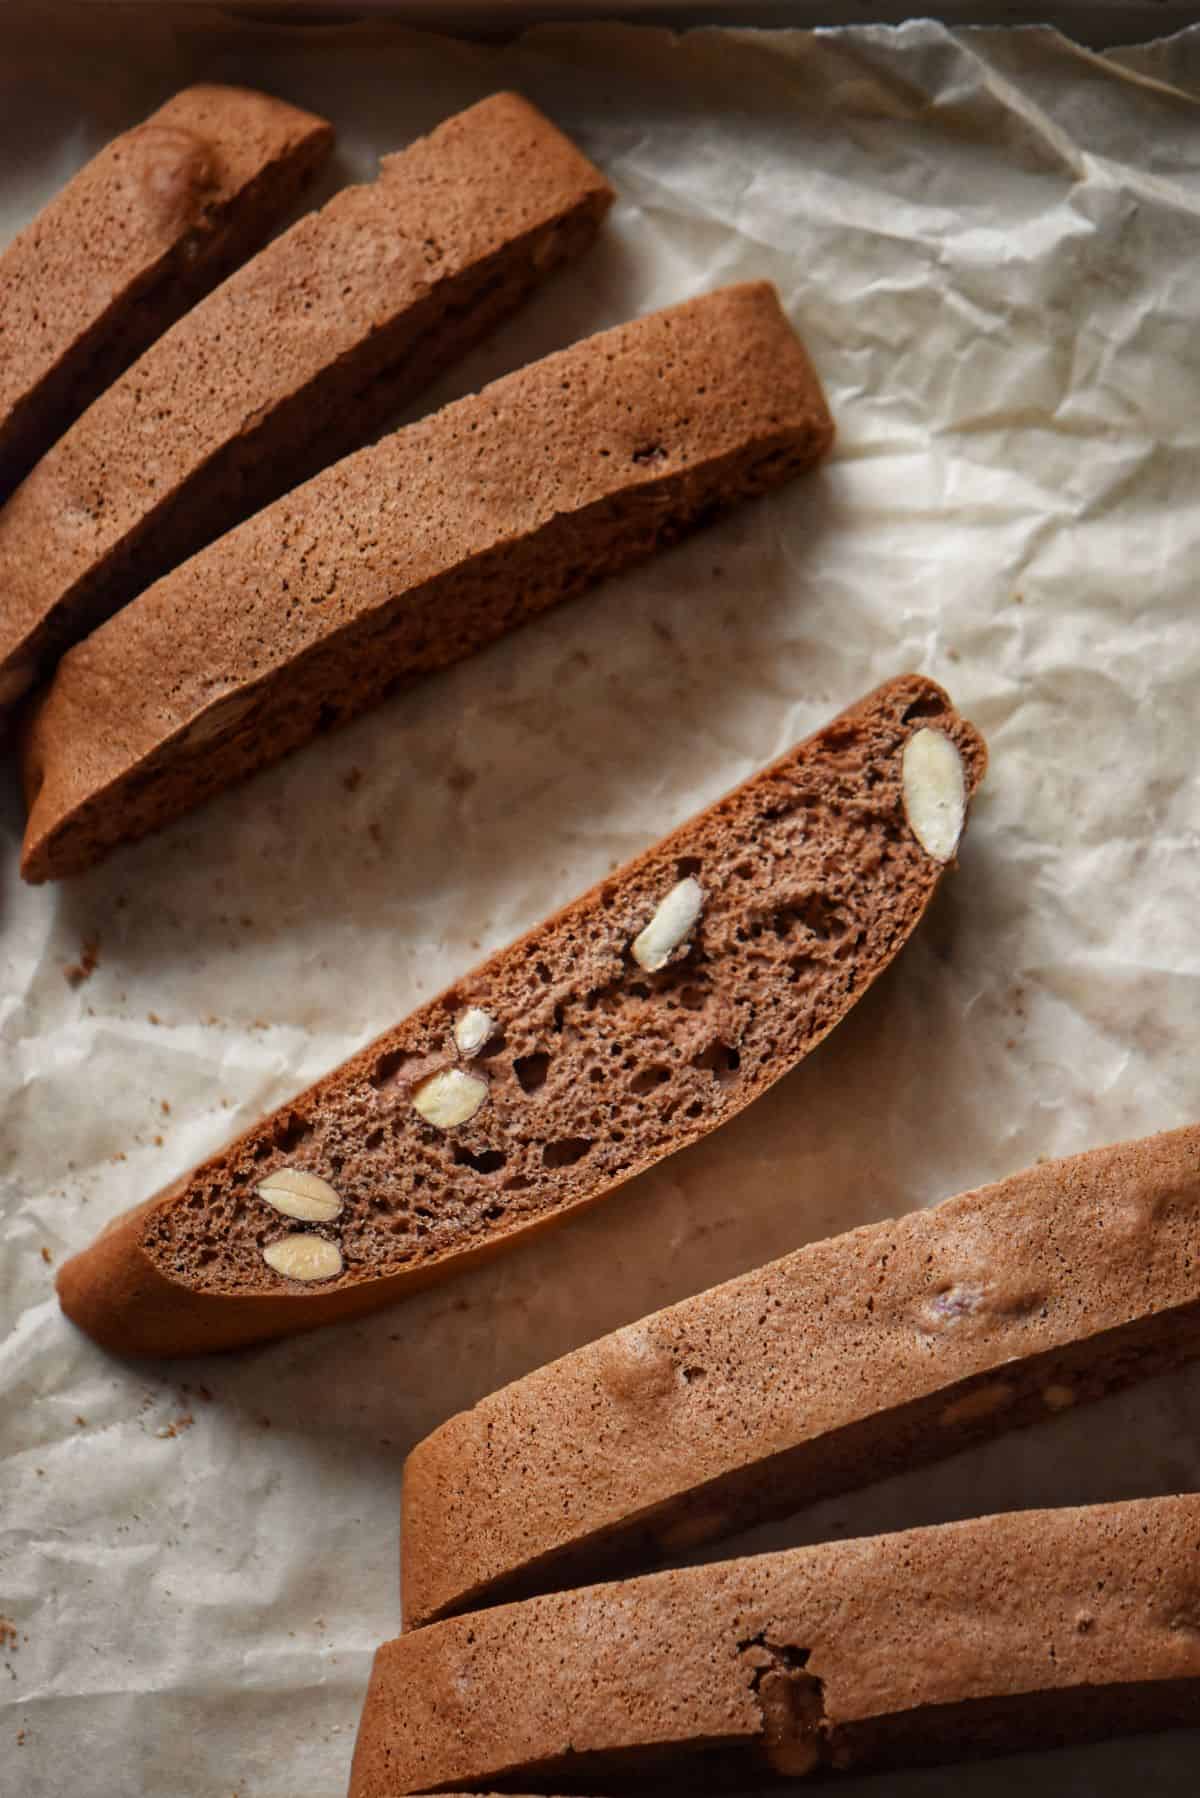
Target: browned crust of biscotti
column 301, row 354
column 977, row 1637
column 146, row 228
column 412, row 554
column 597, row 1069
column 989, row 1311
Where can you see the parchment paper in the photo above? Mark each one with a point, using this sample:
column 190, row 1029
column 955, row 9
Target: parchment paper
column 989, row 242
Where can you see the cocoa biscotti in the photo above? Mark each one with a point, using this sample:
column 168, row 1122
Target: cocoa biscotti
column 296, row 358
column 1018, row 1631
column 636, row 1020
column 409, row 556
column 150, row 224
column 989, row 1311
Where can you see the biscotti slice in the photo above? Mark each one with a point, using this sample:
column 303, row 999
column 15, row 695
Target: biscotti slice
column 633, row 1022
column 883, row 1348
column 298, row 356
column 1029, row 1629
column 141, row 232
column 409, row 556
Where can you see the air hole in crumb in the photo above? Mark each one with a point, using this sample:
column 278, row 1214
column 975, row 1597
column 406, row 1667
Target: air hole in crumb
column 495, row 1045
column 595, row 1075
column 639, row 990
column 559, row 1017
column 648, row 1079
column 518, row 1183
column 691, row 1374
column 290, row 1130
column 488, row 1161
column 386, row 1068
column 608, row 896
column 719, row 1058
column 542, row 972
column 694, row 1109
column 687, row 865
column 821, row 916
column 693, row 998
column 566, row 1152
column 926, row 707
column 372, row 1140
column 650, row 452
column 262, row 1149
column 492, row 1213
column 531, row 1070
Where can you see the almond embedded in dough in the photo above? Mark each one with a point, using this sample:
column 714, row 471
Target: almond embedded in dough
column 670, row 926
column 297, row 1193
column 935, row 792
column 450, row 1098
column 304, row 1258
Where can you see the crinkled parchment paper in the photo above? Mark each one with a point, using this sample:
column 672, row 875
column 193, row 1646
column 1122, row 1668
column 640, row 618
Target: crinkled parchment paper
column 990, row 244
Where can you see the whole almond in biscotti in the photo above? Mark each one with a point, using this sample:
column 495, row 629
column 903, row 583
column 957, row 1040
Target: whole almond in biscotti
column 984, row 1313
column 298, row 357
column 143, row 231
column 412, row 554
column 1029, row 1629
column 597, row 1067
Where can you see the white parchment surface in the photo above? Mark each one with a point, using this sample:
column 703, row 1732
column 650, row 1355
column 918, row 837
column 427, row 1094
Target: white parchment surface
column 990, row 243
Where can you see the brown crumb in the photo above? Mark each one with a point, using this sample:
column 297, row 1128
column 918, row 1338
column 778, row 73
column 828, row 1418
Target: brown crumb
column 81, row 1421
column 119, row 1156
column 10, row 1639
column 76, row 972
column 461, row 780
column 152, row 1017
column 47, row 1256
column 20, row 1738
column 165, row 1107
column 157, row 1141
column 352, row 780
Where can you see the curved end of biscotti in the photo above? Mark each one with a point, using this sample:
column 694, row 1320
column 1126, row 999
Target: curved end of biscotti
column 244, row 122
column 115, row 1294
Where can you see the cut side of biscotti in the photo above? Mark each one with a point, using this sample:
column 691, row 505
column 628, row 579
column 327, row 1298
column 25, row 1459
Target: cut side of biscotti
column 411, row 555
column 146, row 228
column 1028, row 1629
column 986, row 1312
column 625, row 1027
column 300, row 355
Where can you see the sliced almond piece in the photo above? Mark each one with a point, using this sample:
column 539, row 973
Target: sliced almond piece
column 472, row 1028
column 449, row 1098
column 670, row 926
column 299, row 1194
column 304, row 1258
column 935, row 792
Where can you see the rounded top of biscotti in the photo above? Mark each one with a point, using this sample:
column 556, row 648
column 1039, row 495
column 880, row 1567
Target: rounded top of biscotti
column 631, row 1436
column 778, row 1658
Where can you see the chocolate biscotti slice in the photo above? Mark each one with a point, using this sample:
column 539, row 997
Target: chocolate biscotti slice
column 149, row 225
column 300, row 355
column 409, row 556
column 892, row 1345
column 1029, row 1629
column 633, row 1022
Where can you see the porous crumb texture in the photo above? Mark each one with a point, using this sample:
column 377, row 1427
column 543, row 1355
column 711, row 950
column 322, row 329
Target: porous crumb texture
column 1003, row 1632
column 297, row 357
column 994, row 1309
column 812, row 882
column 146, row 228
column 412, row 554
